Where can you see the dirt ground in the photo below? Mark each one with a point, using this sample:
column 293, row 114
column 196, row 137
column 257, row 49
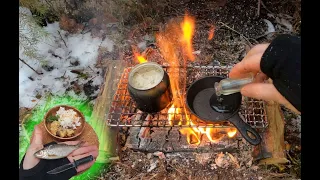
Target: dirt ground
column 237, row 29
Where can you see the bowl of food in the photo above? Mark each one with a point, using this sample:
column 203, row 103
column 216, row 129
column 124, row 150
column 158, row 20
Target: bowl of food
column 64, row 122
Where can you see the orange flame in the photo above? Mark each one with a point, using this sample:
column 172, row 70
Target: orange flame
column 192, row 137
column 188, row 31
column 214, row 134
column 137, row 55
column 175, row 45
column 232, row 132
column 141, row 59
column 174, row 113
column 193, row 134
column 211, row 32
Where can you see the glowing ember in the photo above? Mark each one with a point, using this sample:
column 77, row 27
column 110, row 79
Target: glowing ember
column 137, row 55
column 211, row 32
column 171, row 114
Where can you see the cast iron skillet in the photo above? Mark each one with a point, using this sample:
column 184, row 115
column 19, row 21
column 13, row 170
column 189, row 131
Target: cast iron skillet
column 198, row 101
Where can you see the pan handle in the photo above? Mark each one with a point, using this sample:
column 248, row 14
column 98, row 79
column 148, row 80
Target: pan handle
column 244, row 129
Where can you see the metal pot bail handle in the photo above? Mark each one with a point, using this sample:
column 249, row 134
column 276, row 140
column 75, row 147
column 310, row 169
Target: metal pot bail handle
column 253, row 138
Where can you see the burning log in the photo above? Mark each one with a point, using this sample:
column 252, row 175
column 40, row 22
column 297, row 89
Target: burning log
column 272, row 148
column 145, row 131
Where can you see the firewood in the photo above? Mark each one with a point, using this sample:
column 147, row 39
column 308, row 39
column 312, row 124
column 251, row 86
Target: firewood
column 106, row 134
column 272, row 148
column 145, row 131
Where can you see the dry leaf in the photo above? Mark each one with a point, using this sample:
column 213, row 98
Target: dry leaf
column 222, row 160
column 234, row 160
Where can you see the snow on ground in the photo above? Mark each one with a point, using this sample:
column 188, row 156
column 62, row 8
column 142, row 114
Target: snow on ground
column 79, row 52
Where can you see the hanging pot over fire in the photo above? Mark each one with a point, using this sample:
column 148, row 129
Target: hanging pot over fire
column 149, row 87
column 221, row 107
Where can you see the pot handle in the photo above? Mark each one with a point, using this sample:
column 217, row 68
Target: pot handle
column 244, row 129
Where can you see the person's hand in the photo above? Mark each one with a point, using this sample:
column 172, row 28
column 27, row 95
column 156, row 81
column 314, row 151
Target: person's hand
column 258, row 89
column 36, row 144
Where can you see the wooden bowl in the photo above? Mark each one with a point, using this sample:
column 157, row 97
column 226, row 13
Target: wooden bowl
column 53, row 111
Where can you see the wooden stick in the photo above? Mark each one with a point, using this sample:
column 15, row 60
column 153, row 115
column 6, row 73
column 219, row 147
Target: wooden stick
column 263, row 5
column 258, row 10
column 63, row 40
column 247, row 39
column 29, row 66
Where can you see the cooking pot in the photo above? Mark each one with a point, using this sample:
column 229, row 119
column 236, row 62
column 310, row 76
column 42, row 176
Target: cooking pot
column 149, row 87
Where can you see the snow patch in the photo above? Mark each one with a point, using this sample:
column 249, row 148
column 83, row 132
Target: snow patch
column 59, row 53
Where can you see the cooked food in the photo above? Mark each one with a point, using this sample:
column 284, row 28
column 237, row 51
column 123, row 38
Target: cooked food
column 70, row 132
column 64, row 122
column 54, row 126
column 62, row 132
column 68, row 118
column 146, row 78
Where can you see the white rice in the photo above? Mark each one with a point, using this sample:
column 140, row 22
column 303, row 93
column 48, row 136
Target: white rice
column 68, row 118
column 146, row 78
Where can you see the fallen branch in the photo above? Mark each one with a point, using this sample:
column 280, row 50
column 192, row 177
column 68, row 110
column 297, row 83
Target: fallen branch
column 29, row 66
column 293, row 161
column 85, row 25
column 155, row 175
column 63, row 40
column 136, row 177
column 258, row 10
column 247, row 39
column 91, row 79
column 279, row 175
column 91, row 69
column 263, row 35
column 181, row 173
column 264, row 6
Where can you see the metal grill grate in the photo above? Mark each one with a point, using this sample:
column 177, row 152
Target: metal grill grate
column 123, row 108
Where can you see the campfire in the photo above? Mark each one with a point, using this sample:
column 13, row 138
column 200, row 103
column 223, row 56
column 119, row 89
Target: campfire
column 174, row 47
column 175, row 44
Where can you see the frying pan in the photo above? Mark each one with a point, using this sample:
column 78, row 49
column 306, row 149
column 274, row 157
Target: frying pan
column 198, row 102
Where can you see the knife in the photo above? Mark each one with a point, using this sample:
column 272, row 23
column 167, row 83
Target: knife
column 73, row 164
